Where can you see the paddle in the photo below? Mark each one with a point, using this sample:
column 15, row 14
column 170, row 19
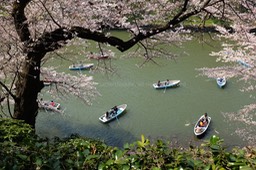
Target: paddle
column 80, row 70
column 117, row 120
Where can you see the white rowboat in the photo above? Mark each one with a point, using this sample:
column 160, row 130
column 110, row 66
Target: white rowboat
column 112, row 113
column 221, row 81
column 198, row 131
column 166, row 84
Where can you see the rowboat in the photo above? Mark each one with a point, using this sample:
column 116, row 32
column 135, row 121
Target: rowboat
column 99, row 57
column 47, row 83
column 244, row 64
column 80, row 66
column 198, row 129
column 166, row 84
column 49, row 105
column 221, row 81
column 113, row 113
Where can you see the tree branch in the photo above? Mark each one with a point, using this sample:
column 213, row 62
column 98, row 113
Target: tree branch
column 6, row 88
column 123, row 46
column 50, row 14
column 52, row 41
column 20, row 20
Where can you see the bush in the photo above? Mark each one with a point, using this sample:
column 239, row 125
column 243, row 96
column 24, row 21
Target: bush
column 22, row 149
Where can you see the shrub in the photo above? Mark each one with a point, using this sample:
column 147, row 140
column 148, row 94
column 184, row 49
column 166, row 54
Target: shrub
column 22, row 149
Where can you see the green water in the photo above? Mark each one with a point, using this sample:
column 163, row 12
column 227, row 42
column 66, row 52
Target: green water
column 167, row 114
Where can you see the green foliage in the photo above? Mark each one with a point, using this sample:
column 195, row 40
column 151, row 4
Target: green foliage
column 22, row 149
column 15, row 131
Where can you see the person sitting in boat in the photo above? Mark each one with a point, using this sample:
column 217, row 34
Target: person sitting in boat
column 198, row 129
column 167, row 82
column 204, row 119
column 114, row 109
column 107, row 114
column 158, row 83
column 52, row 103
column 201, row 123
column 199, row 126
column 41, row 102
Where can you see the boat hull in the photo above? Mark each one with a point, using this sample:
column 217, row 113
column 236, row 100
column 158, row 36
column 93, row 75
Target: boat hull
column 47, row 83
column 81, row 67
column 221, row 82
column 48, row 106
column 203, row 129
column 165, row 84
column 105, row 119
column 244, row 64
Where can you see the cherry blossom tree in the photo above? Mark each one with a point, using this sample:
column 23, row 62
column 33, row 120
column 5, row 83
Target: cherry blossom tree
column 32, row 29
column 239, row 57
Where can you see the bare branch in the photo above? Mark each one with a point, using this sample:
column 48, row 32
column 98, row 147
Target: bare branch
column 50, row 14
column 7, row 89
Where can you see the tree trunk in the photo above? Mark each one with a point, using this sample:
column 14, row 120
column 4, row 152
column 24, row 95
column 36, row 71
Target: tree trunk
column 28, row 85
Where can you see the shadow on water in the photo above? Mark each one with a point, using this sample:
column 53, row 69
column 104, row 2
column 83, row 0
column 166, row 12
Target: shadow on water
column 108, row 133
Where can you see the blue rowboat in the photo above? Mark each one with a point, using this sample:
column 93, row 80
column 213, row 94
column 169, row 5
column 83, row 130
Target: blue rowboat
column 80, row 66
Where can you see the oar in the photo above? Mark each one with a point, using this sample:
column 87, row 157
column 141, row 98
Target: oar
column 164, row 89
column 80, row 70
column 117, row 120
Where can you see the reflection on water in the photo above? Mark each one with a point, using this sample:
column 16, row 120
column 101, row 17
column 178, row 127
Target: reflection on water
column 245, row 124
